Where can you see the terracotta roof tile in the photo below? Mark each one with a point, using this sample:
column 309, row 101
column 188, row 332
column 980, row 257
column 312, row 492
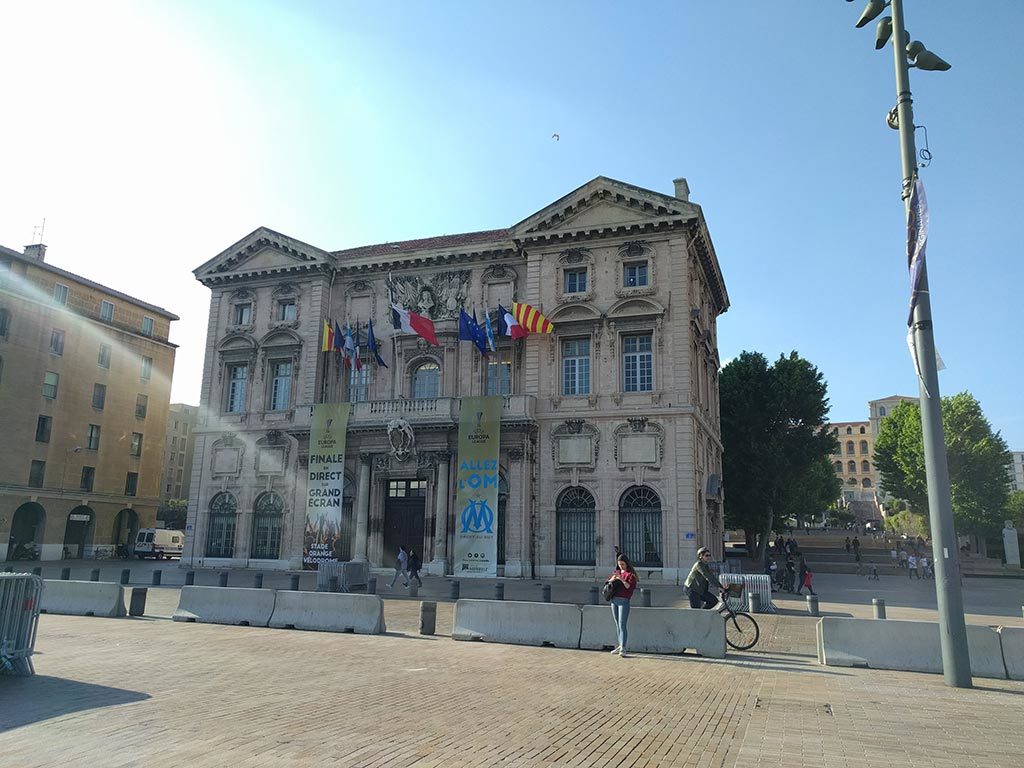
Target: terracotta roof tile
column 425, row 244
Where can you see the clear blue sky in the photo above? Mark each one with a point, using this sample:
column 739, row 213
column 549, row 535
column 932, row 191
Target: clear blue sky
column 153, row 135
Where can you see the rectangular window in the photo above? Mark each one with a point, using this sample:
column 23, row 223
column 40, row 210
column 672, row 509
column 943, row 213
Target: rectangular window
column 50, row 382
column 60, row 293
column 574, row 281
column 36, row 473
column 131, row 483
column 181, row 459
column 99, row 396
column 237, row 378
column 168, row 490
column 359, row 384
column 106, row 311
column 136, row 443
column 634, row 274
column 5, row 322
column 147, row 368
column 637, row 363
column 103, row 360
column 141, row 404
column 43, row 424
column 174, row 443
column 88, row 478
column 280, row 385
column 56, row 342
column 243, row 314
column 184, row 428
column 93, row 439
column 576, row 367
column 147, row 326
column 499, row 378
column 286, row 310
column 179, row 475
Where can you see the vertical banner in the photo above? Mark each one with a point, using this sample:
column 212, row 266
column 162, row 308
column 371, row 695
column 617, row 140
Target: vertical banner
column 476, row 496
column 324, row 483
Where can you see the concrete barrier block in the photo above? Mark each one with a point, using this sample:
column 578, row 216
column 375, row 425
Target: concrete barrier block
column 518, row 623
column 329, row 612
column 225, row 605
column 909, row 646
column 657, row 630
column 83, row 598
column 1013, row 651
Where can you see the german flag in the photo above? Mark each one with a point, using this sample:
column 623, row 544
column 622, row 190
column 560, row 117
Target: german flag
column 530, row 319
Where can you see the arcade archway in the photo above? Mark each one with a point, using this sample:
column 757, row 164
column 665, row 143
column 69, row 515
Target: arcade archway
column 78, row 533
column 27, row 532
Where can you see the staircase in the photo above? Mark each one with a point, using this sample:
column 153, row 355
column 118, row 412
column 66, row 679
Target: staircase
column 826, row 553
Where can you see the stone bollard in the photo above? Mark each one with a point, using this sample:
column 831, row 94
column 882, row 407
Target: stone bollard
column 595, row 595
column 223, row 582
column 158, row 576
column 371, row 585
column 428, row 617
column 332, row 584
column 878, row 605
column 37, row 571
column 812, row 605
column 499, row 591
column 126, row 575
column 257, row 581
column 753, row 602
column 65, row 574
column 645, row 597
column 414, row 589
column 295, row 582
column 545, row 593
column 453, row 592
column 95, row 575
column 137, row 606
column 190, row 578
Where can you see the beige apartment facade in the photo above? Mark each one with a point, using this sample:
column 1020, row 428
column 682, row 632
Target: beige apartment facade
column 610, row 425
column 85, row 376
column 853, row 461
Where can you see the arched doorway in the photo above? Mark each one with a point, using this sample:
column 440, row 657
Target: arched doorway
column 27, row 532
column 126, row 526
column 78, row 533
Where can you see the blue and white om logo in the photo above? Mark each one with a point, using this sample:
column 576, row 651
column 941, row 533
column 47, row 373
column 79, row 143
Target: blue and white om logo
column 477, row 517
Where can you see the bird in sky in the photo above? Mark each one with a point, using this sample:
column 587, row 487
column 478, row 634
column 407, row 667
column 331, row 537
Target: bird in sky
column 554, row 136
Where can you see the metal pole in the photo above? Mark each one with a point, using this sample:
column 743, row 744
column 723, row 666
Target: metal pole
column 956, row 663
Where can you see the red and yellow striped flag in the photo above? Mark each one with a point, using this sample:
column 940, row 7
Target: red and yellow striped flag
column 531, row 319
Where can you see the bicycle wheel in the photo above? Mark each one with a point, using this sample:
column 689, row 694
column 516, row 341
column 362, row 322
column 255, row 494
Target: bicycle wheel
column 741, row 631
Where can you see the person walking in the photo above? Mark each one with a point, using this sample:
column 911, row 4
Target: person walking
column 860, row 564
column 790, row 573
column 414, row 567
column 401, row 568
column 698, row 582
column 803, row 577
column 894, row 556
column 627, row 578
column 847, row 544
column 903, row 557
column 912, row 568
column 856, row 544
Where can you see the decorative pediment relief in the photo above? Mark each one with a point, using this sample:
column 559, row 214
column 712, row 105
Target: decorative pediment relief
column 237, row 342
column 574, row 445
column 439, row 296
column 636, row 307
column 263, row 252
column 639, row 442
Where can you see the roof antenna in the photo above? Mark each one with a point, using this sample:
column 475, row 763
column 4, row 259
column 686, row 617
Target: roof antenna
column 40, row 230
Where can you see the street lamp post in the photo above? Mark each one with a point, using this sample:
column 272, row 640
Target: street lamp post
column 956, row 662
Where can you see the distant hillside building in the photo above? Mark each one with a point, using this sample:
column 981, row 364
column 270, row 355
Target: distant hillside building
column 177, row 476
column 85, row 380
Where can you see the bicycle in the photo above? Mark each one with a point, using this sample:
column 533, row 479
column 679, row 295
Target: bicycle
column 741, row 631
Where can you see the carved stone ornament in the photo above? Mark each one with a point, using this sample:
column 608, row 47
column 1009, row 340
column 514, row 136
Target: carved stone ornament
column 515, row 454
column 574, row 426
column 401, row 438
column 636, row 250
column 382, row 463
column 360, row 286
column 275, row 437
column 637, row 424
column 639, row 442
column 574, row 259
column 574, row 444
column 439, row 297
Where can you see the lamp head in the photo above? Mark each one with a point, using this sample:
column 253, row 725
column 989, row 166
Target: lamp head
column 871, row 12
column 924, row 59
column 883, row 32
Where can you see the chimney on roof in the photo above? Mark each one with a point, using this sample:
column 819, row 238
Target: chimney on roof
column 682, row 189
column 36, row 251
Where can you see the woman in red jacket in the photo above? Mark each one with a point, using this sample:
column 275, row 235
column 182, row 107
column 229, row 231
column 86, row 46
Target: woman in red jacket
column 627, row 578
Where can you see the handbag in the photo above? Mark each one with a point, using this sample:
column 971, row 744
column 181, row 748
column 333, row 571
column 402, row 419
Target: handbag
column 610, row 589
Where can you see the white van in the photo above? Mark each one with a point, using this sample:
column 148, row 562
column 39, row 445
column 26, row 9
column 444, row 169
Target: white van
column 159, row 543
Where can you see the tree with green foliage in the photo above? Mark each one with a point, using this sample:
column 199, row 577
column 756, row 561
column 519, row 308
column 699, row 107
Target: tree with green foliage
column 812, row 492
column 773, row 436
column 977, row 459
column 173, row 513
column 1014, row 509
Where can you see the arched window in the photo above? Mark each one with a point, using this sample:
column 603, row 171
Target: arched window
column 881, row 410
column 849, row 447
column 865, row 466
column 862, row 430
column 266, row 527
column 866, row 482
column 575, row 526
column 849, row 430
column 220, row 540
column 502, row 517
column 839, row 466
column 426, row 380
column 640, row 526
column 864, row 446
column 852, row 481
column 851, row 467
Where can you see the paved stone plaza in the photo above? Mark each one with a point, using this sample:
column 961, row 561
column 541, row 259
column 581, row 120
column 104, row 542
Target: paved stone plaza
column 149, row 691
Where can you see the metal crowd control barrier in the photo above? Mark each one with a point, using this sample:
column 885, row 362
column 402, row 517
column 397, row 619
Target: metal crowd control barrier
column 20, row 598
column 758, row 584
column 351, row 575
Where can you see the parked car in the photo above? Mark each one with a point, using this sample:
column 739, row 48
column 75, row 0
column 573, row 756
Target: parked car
column 159, row 543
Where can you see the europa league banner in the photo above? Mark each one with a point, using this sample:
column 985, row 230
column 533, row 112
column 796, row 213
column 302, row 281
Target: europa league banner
column 325, row 484
column 476, row 496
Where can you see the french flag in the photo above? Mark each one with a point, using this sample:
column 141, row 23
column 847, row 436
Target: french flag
column 410, row 322
column 509, row 326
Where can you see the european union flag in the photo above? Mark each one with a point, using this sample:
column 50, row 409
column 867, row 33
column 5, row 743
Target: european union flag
column 469, row 330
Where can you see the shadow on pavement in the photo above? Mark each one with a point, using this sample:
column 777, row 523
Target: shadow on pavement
column 41, row 697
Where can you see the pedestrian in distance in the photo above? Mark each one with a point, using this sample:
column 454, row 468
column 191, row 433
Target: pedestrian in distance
column 912, row 568
column 699, row 580
column 925, row 570
column 847, row 544
column 790, row 574
column 414, row 567
column 856, row 544
column 627, row 578
column 803, row 577
column 860, row 564
column 401, row 568
column 874, row 573
column 894, row 556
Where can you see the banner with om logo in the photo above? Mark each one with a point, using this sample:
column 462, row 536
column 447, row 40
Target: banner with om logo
column 476, row 496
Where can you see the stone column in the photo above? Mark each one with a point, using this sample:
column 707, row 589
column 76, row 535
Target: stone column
column 437, row 565
column 516, row 547
column 362, row 508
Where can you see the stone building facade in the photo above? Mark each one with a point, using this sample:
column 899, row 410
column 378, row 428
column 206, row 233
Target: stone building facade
column 610, row 425
column 85, row 381
column 179, row 448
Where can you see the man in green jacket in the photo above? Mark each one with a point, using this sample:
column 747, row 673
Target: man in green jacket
column 698, row 583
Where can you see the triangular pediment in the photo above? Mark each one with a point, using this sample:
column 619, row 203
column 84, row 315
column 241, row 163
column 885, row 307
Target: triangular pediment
column 263, row 252
column 604, row 203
